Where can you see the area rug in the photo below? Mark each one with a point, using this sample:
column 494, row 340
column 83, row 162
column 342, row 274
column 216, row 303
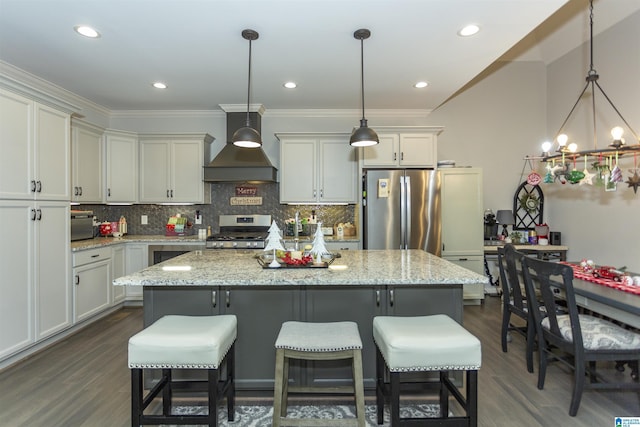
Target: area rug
column 261, row 415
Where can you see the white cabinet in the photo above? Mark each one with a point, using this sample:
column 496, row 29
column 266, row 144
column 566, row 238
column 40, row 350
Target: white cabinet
column 171, row 169
column 91, row 282
column 121, row 165
column 118, row 269
column 137, row 259
column 403, row 147
column 341, row 246
column 462, row 229
column 86, row 163
column 35, row 296
column 317, row 168
column 35, row 147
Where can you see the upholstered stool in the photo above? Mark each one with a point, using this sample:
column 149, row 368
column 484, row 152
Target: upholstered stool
column 183, row 342
column 317, row 341
column 426, row 343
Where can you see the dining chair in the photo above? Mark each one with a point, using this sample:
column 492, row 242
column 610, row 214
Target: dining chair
column 513, row 300
column 575, row 339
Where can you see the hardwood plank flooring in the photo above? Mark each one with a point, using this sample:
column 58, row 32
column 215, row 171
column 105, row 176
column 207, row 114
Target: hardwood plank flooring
column 84, row 381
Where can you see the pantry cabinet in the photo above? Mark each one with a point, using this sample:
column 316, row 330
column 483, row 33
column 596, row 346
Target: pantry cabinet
column 35, row 146
column 402, row 147
column 317, row 168
column 462, row 229
column 171, row 168
column 121, row 167
column 86, row 163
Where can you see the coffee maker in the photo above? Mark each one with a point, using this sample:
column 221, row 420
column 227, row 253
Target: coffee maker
column 490, row 225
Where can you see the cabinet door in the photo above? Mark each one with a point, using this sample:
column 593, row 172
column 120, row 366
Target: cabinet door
column 260, row 313
column 298, row 171
column 52, row 268
column 137, row 258
column 92, row 283
column 475, row 263
column 187, row 171
column 417, row 150
column 86, row 165
column 461, row 197
column 341, row 246
column 384, row 153
column 118, row 269
column 16, row 277
column 16, row 134
column 121, row 168
column 52, row 154
column 338, row 171
column 424, row 301
column 155, row 169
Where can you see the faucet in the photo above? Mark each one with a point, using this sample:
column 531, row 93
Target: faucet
column 296, row 240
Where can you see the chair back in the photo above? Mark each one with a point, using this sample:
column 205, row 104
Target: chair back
column 554, row 282
column 510, row 263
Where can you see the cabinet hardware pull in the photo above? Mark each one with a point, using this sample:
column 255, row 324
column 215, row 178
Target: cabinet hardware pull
column 395, row 156
column 391, row 299
column 39, row 214
column 80, row 191
column 402, row 156
column 75, row 191
column 33, row 214
column 33, row 186
column 77, row 280
column 314, row 193
column 39, row 186
column 108, row 192
column 172, row 194
column 95, row 256
column 378, row 298
column 228, row 303
column 214, row 298
column 463, row 259
column 167, row 194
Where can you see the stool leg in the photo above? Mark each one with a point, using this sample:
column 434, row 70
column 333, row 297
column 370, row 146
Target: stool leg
column 231, row 378
column 358, row 386
column 167, row 393
column 395, row 398
column 212, row 392
column 472, row 397
column 277, row 387
column 136, row 397
column 380, row 369
column 444, row 394
column 285, row 386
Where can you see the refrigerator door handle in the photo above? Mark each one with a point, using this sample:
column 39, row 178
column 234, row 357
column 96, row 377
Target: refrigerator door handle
column 407, row 218
column 403, row 213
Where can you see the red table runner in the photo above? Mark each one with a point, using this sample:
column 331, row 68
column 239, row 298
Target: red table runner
column 579, row 274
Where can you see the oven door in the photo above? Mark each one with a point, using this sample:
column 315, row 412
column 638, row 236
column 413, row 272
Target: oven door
column 160, row 253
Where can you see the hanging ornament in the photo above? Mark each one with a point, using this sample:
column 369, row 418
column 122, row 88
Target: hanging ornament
column 548, row 178
column 588, row 177
column 559, row 173
column 616, row 174
column 575, row 176
column 634, row 180
column 534, row 178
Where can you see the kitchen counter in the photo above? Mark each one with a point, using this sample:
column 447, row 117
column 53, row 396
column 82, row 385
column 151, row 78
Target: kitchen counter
column 239, row 268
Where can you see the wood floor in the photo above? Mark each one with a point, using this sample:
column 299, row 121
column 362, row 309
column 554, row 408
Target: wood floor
column 84, row 381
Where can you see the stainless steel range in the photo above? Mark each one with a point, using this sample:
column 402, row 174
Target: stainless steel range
column 241, row 232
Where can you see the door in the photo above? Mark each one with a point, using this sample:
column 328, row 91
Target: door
column 423, row 210
column 382, row 212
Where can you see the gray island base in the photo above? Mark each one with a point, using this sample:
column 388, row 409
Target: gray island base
column 357, row 286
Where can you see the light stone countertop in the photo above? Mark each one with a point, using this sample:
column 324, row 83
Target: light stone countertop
column 354, row 267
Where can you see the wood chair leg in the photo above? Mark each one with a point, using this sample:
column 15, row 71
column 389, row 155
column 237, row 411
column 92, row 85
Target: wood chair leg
column 278, row 387
column 358, row 387
column 578, row 387
column 395, row 398
column 531, row 337
column 506, row 315
column 213, row 377
column 380, row 370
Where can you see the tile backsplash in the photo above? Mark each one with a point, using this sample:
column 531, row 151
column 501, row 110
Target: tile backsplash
column 221, row 194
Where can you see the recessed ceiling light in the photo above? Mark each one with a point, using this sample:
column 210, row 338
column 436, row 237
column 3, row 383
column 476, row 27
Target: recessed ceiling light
column 469, row 30
column 86, row 31
column 159, row 85
column 290, row 85
column 420, row 85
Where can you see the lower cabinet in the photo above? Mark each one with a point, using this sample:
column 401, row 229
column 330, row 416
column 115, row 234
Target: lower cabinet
column 118, row 269
column 262, row 310
column 136, row 259
column 91, row 282
column 472, row 293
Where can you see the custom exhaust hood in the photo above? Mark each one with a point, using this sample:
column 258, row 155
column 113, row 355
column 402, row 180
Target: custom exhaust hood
column 237, row 164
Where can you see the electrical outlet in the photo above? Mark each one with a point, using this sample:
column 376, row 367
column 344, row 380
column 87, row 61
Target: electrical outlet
column 144, row 220
column 198, row 218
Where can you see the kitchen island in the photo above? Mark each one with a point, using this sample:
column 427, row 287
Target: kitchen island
column 357, row 286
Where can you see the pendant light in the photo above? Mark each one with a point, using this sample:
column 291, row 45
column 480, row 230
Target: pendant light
column 247, row 136
column 363, row 136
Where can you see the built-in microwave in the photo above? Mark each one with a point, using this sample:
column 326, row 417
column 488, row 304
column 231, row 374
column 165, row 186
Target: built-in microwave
column 81, row 225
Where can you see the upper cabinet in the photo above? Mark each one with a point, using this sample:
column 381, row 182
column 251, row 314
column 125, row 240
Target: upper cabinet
column 86, row 163
column 317, row 168
column 35, row 146
column 121, row 164
column 171, row 168
column 401, row 147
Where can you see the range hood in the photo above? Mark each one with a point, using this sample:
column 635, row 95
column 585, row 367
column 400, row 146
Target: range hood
column 237, row 164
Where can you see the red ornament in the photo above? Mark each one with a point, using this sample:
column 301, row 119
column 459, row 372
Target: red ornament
column 534, row 178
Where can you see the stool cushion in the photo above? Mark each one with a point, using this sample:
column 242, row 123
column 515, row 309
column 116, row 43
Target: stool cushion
column 320, row 337
column 425, row 343
column 182, row 342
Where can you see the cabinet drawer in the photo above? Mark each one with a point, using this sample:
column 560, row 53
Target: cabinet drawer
column 91, row 255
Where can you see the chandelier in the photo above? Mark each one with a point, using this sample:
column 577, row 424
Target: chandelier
column 603, row 159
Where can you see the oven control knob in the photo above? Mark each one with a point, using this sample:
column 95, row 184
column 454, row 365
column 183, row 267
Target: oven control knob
column 248, row 244
column 235, row 244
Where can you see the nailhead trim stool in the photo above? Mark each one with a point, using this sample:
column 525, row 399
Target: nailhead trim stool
column 426, row 343
column 183, row 342
column 317, row 341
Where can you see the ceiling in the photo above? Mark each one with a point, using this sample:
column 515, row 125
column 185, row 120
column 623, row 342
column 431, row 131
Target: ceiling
column 196, row 48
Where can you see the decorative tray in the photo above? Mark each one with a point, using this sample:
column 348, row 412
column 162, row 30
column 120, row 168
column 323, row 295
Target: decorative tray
column 265, row 259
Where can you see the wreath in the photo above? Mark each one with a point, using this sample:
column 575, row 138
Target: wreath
column 530, row 203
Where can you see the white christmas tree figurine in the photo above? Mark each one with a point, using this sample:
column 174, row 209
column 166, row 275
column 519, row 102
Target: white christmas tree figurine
column 319, row 247
column 273, row 243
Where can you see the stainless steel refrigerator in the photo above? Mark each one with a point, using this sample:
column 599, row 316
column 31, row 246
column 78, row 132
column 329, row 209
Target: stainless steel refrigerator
column 401, row 209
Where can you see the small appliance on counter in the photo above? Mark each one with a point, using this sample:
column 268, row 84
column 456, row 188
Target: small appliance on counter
column 178, row 226
column 81, row 225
